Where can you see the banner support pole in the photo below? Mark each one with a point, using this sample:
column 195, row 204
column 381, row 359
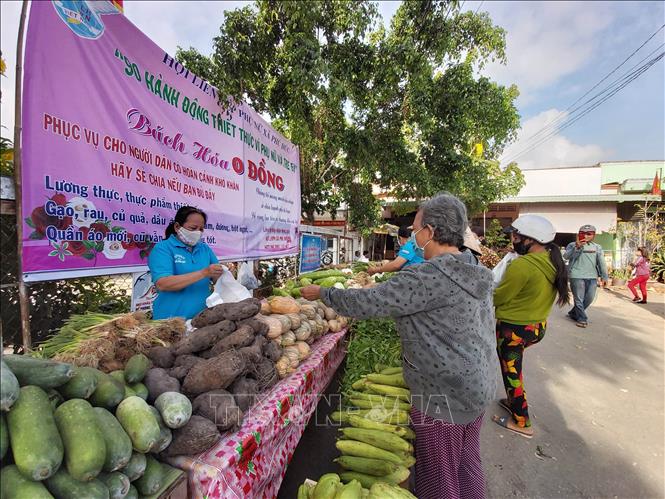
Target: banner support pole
column 24, row 304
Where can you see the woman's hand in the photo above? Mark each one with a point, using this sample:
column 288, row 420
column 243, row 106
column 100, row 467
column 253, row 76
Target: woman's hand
column 373, row 270
column 311, row 292
column 213, row 271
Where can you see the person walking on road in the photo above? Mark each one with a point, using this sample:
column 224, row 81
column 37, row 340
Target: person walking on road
column 642, row 271
column 523, row 301
column 587, row 269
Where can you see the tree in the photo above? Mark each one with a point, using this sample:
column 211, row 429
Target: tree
column 398, row 108
column 494, row 235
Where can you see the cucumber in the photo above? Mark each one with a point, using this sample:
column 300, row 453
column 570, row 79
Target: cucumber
column 135, row 467
column 139, row 422
column 55, row 398
column 109, row 392
column 13, row 485
column 140, row 389
column 165, row 435
column 63, row 486
column 36, row 444
column 175, row 409
column 117, row 484
column 153, row 478
column 82, row 384
column 136, row 368
column 133, row 493
column 4, row 436
column 118, row 376
column 85, row 448
column 9, row 387
column 118, row 443
column 38, row 372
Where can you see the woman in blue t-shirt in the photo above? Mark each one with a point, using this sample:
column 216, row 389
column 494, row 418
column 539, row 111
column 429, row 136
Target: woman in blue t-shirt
column 407, row 255
column 182, row 266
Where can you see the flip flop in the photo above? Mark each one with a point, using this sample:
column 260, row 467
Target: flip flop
column 503, row 422
column 504, row 403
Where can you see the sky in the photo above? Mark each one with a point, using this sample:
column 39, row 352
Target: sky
column 556, row 52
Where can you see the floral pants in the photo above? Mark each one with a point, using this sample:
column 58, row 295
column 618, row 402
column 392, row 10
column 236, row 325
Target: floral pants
column 511, row 340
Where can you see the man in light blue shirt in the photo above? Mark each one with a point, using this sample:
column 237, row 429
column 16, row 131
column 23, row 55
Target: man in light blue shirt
column 406, row 256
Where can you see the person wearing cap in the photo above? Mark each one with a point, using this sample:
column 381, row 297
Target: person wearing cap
column 586, row 269
column 443, row 313
column 522, row 302
column 408, row 254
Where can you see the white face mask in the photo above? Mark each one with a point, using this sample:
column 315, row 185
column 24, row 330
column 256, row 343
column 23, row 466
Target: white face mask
column 189, row 237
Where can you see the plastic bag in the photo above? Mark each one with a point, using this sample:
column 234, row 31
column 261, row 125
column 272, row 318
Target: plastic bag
column 246, row 276
column 227, row 290
column 501, row 267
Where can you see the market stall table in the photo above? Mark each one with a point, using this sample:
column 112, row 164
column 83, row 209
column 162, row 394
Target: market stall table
column 252, row 461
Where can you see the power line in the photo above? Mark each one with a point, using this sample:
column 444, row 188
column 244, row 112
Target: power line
column 479, row 6
column 629, row 79
column 563, row 114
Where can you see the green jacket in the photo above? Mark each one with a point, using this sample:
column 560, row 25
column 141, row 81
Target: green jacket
column 526, row 293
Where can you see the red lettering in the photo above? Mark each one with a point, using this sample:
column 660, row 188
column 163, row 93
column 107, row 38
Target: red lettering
column 238, row 166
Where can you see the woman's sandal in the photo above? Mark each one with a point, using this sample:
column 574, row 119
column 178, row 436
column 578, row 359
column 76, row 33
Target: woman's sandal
column 504, row 421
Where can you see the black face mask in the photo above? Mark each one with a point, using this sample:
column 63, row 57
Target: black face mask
column 521, row 248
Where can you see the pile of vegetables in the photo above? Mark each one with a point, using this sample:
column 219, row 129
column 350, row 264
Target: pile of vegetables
column 329, row 486
column 107, row 341
column 293, row 325
column 376, row 441
column 325, row 278
column 69, row 432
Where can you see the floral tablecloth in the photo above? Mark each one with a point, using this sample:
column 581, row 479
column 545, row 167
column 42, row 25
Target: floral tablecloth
column 251, row 462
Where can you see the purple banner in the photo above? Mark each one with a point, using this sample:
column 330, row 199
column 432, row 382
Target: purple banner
column 117, row 136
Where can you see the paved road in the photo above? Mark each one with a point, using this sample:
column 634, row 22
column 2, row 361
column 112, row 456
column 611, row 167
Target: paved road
column 596, row 398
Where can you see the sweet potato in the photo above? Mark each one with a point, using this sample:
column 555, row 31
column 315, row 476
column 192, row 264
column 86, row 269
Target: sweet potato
column 198, row 435
column 161, row 357
column 215, row 373
column 179, row 372
column 265, row 374
column 204, row 338
column 260, row 328
column 230, row 311
column 244, row 391
column 187, row 361
column 157, row 381
column 254, row 352
column 272, row 350
column 218, row 406
column 241, row 337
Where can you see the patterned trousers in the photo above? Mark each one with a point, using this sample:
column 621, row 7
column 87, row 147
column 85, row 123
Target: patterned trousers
column 511, row 340
column 448, row 464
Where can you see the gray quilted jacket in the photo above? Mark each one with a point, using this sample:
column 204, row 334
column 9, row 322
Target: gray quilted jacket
column 444, row 314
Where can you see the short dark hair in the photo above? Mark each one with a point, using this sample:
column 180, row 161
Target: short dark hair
column 404, row 231
column 365, row 253
column 181, row 217
column 643, row 250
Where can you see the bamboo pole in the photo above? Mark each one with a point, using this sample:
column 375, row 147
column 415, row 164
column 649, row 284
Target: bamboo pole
column 24, row 304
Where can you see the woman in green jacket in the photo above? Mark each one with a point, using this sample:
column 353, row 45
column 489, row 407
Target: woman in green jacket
column 522, row 303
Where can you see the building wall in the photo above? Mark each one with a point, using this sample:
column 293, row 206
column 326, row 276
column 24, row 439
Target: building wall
column 618, row 171
column 568, row 217
column 585, row 181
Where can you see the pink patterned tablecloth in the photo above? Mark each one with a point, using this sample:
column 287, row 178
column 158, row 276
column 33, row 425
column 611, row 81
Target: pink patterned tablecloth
column 251, row 462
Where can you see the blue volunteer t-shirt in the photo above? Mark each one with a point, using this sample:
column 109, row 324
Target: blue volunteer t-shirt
column 408, row 252
column 172, row 257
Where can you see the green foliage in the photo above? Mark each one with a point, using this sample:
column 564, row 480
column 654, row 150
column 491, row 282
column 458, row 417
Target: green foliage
column 658, row 265
column 373, row 341
column 6, row 157
column 494, row 235
column 620, row 273
column 397, row 107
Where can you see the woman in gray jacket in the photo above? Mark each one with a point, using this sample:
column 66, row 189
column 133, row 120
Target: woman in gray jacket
column 444, row 314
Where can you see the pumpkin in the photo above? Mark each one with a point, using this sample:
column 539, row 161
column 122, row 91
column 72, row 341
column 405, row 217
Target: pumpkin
column 303, row 332
column 293, row 354
column 284, row 321
column 335, row 326
column 283, row 305
column 295, row 320
column 344, row 321
column 265, row 308
column 303, row 348
column 330, row 314
column 274, row 325
column 309, row 311
column 282, row 366
column 288, row 338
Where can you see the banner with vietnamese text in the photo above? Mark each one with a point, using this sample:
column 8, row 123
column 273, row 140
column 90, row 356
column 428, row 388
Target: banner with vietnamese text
column 117, row 136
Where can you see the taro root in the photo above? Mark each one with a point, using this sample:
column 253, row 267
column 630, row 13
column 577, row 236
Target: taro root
column 220, row 407
column 265, row 374
column 244, row 391
column 204, row 338
column 258, row 326
column 215, row 373
column 187, row 361
column 158, row 381
column 179, row 372
column 254, row 352
column 242, row 337
column 161, row 357
column 272, row 350
column 231, row 311
column 198, row 435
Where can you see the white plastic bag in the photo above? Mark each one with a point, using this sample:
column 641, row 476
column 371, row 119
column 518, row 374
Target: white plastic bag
column 501, row 267
column 246, row 276
column 227, row 290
